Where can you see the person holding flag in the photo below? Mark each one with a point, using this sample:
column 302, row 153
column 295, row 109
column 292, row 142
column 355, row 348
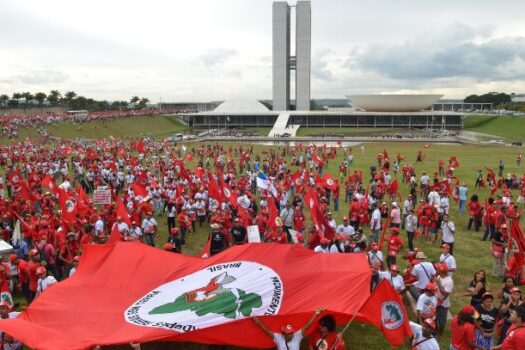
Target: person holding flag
column 289, row 338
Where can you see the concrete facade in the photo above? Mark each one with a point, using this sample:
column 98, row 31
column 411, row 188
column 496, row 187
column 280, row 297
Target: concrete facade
column 303, row 48
column 281, row 56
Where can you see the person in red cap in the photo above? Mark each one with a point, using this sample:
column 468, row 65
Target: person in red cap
column 323, row 247
column 174, row 240
column 376, row 261
column 44, row 281
column 422, row 338
column 463, row 329
column 33, row 265
column 515, row 338
column 345, row 228
column 289, row 338
column 447, row 258
column 23, row 275
column 326, row 336
column 445, row 285
column 299, row 219
column 427, row 303
column 277, row 235
column 238, row 232
column 76, row 259
column 394, row 245
column 486, row 326
column 394, row 278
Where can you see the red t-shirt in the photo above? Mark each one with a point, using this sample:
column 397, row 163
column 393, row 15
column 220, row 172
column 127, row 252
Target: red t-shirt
column 394, row 244
column 514, row 337
column 462, row 335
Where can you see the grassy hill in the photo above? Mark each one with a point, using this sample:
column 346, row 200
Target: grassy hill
column 144, row 125
column 507, row 127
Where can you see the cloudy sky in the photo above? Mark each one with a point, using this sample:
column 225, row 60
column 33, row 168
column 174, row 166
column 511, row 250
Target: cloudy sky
column 220, row 49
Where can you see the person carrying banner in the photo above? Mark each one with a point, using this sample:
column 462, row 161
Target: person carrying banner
column 289, row 338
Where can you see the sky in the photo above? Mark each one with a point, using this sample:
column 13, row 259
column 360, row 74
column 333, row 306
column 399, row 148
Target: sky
column 184, row 50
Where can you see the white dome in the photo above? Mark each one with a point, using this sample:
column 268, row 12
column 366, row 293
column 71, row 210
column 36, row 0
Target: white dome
column 241, row 106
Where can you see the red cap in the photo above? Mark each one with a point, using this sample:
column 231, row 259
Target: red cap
column 431, row 287
column 300, row 237
column 470, row 310
column 325, row 241
column 41, row 270
column 394, row 230
column 288, row 329
column 445, row 245
column 514, row 290
column 174, row 230
column 298, row 208
column 12, row 258
column 441, row 267
column 429, row 323
column 5, row 303
column 167, row 246
column 374, row 245
column 345, row 218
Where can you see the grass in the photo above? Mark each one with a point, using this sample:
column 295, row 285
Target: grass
column 470, row 252
column 157, row 126
column 507, row 127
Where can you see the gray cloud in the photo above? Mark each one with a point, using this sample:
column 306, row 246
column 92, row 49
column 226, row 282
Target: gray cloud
column 216, row 57
column 320, row 65
column 42, row 76
column 456, row 52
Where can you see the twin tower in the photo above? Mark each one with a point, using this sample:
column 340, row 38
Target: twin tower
column 283, row 60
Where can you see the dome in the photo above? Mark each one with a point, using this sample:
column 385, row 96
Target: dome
column 241, row 106
column 393, row 103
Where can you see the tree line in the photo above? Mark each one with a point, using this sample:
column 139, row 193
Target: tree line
column 69, row 99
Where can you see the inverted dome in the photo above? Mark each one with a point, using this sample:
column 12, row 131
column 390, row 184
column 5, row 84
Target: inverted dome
column 393, row 103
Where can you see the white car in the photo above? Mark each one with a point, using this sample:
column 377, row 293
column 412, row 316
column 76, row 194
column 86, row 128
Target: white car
column 496, row 142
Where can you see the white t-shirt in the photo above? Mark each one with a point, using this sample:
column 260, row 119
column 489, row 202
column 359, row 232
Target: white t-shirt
column 44, row 283
column 72, row 271
column 375, row 222
column 448, row 229
column 427, row 306
column 424, row 344
column 148, row 225
column 375, row 258
column 396, row 282
column 449, row 260
column 423, row 278
column 345, row 230
column 294, row 344
column 320, row 249
column 448, row 286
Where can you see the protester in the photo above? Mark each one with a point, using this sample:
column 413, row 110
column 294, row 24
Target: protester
column 289, row 338
column 477, row 288
column 325, row 336
column 463, row 330
column 515, row 337
column 445, row 286
column 427, row 303
column 6, row 341
column 422, row 336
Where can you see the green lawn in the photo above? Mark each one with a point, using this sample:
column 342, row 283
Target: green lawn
column 510, row 128
column 470, row 252
column 159, row 126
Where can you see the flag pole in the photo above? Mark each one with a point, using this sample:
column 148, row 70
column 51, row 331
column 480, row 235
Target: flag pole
column 343, row 331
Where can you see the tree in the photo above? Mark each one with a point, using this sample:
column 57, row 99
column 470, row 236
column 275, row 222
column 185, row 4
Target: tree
column 40, row 97
column 28, row 96
column 4, row 99
column 14, row 101
column 54, row 97
column 143, row 102
column 134, row 99
column 69, row 97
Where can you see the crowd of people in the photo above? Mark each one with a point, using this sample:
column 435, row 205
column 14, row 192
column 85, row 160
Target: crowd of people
column 48, row 214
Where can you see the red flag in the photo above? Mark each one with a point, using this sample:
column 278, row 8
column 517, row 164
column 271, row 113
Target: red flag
column 297, row 179
column 312, row 203
column 453, row 162
column 273, row 215
column 317, row 160
column 495, row 187
column 141, row 184
column 48, row 182
column 517, row 241
column 384, row 309
column 15, row 177
column 26, row 192
column 227, row 193
column 213, row 188
column 68, row 206
column 393, row 188
column 189, row 299
column 25, row 225
column 198, row 172
column 205, row 253
column 442, row 186
column 329, row 182
column 123, row 213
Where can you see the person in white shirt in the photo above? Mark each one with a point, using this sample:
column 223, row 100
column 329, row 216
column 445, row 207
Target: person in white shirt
column 99, row 226
column 424, row 272
column 345, row 228
column 410, row 227
column 149, row 227
column 427, row 303
column 444, row 204
column 323, row 247
column 8, row 342
column 433, row 197
column 445, row 285
column 448, row 259
column 393, row 278
column 376, row 261
column 448, row 229
column 424, row 180
column 288, row 338
column 422, row 338
column 338, row 245
column 44, row 281
column 375, row 223
column 76, row 259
